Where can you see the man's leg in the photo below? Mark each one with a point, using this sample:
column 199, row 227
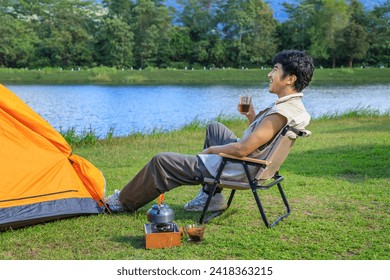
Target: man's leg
column 164, row 172
column 216, row 134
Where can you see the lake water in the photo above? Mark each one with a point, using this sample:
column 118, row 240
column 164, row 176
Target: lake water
column 130, row 109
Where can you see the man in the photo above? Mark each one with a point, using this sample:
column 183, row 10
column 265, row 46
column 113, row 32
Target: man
column 291, row 73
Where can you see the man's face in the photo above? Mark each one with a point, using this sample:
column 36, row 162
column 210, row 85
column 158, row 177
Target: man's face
column 277, row 81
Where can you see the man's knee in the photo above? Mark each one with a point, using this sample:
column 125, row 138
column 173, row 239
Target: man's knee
column 161, row 158
column 213, row 125
column 213, row 128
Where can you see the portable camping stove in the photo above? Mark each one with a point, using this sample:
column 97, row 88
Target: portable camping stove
column 161, row 232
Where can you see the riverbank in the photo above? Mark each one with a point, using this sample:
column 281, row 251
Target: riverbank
column 336, row 182
column 350, row 76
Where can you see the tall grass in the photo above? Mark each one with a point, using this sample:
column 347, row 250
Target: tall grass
column 87, row 137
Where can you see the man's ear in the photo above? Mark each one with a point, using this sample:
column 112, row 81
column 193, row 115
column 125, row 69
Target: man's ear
column 291, row 79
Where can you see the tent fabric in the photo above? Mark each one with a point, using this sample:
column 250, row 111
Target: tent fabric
column 46, row 211
column 40, row 178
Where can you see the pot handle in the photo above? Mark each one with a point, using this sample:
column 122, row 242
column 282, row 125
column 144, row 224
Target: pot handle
column 160, row 199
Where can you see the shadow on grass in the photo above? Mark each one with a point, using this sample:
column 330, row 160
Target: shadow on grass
column 182, row 215
column 137, row 242
column 349, row 162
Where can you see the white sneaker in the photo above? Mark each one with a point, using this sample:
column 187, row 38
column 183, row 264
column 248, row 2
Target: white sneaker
column 217, row 203
column 113, row 202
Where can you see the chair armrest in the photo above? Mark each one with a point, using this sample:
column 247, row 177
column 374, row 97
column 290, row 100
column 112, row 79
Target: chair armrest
column 247, row 159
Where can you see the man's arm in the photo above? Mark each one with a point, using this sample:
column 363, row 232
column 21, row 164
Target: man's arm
column 266, row 130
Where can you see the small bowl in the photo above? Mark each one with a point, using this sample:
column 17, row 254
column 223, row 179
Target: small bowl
column 195, row 232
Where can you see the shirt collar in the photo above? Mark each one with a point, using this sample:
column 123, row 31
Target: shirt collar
column 287, row 97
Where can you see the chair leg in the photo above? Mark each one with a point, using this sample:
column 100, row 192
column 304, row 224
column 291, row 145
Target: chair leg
column 203, row 218
column 230, row 198
column 288, row 210
column 261, row 209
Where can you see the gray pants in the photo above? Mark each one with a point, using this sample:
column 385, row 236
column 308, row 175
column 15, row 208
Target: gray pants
column 166, row 171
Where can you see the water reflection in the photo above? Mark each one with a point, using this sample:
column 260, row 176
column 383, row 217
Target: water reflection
column 130, row 109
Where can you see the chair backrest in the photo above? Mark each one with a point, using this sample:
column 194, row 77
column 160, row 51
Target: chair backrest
column 277, row 152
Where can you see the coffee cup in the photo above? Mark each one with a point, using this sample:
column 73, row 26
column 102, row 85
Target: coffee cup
column 195, row 232
column 244, row 103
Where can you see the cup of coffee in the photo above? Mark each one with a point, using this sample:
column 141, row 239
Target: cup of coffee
column 195, row 232
column 244, row 103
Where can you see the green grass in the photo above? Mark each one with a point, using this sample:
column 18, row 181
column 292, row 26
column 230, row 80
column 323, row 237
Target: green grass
column 104, row 75
column 337, row 182
column 87, row 137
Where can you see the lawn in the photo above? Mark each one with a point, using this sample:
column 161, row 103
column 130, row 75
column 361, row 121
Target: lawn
column 104, row 75
column 337, row 182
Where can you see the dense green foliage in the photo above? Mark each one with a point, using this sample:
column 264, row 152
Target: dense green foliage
column 337, row 182
column 223, row 33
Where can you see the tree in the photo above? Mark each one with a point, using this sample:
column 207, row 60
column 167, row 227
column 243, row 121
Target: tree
column 354, row 45
column 262, row 45
column 294, row 32
column 357, row 12
column 353, row 42
column 16, row 42
column 248, row 29
column 329, row 19
column 181, row 45
column 378, row 29
column 64, row 30
column 217, row 52
column 150, row 23
column 142, row 33
column 197, row 17
column 114, row 43
column 118, row 8
column 163, row 21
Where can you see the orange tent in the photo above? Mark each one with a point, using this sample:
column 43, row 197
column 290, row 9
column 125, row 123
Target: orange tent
column 40, row 178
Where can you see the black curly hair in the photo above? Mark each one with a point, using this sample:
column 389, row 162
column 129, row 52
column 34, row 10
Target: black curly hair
column 296, row 63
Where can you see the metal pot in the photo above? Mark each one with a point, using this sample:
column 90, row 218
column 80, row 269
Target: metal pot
column 160, row 214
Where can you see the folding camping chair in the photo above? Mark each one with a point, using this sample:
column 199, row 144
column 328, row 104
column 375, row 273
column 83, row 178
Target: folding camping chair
column 266, row 177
